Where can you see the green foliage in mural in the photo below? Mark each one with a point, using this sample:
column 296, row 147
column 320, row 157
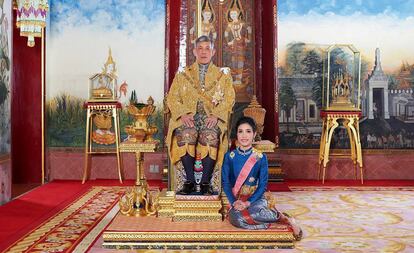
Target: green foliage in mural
column 312, row 63
column 294, row 57
column 66, row 122
column 287, row 98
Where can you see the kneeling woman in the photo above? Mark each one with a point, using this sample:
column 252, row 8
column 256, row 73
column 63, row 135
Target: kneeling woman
column 244, row 177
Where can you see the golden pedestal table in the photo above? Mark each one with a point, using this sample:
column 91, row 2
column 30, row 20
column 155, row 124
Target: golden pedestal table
column 331, row 120
column 138, row 200
column 109, row 109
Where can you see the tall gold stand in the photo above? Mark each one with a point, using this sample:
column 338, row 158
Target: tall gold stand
column 331, row 120
column 94, row 108
column 138, row 200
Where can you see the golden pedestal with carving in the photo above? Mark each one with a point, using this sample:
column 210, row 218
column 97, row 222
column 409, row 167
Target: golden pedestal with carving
column 166, row 204
column 197, row 208
column 139, row 200
column 189, row 207
column 331, row 120
column 159, row 233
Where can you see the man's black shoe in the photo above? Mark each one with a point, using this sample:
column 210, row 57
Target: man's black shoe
column 188, row 188
column 206, row 189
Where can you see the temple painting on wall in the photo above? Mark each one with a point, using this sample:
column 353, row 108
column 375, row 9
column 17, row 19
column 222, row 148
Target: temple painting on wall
column 387, row 70
column 82, row 37
column 230, row 25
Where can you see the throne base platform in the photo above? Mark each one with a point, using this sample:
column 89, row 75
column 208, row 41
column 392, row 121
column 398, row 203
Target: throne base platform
column 128, row 232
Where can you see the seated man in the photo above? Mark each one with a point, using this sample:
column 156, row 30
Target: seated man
column 200, row 100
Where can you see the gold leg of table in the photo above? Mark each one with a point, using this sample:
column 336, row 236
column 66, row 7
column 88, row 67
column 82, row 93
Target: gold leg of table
column 87, row 146
column 355, row 131
column 352, row 143
column 332, row 124
column 322, row 148
column 117, row 142
column 138, row 161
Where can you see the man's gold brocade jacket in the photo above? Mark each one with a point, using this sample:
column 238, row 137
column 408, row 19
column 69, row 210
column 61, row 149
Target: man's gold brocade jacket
column 217, row 96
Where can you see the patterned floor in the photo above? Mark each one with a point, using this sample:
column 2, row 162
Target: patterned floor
column 346, row 220
column 340, row 219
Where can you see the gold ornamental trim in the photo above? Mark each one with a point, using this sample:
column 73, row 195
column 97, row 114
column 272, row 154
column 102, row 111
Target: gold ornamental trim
column 169, row 213
column 197, row 246
column 138, row 147
column 102, row 106
column 197, row 212
column 202, row 236
column 197, row 217
column 216, row 204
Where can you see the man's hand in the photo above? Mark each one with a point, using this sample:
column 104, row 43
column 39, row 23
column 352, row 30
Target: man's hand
column 188, row 120
column 211, row 121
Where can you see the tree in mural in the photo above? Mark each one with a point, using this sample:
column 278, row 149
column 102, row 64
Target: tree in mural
column 287, row 99
column 294, row 57
column 312, row 65
column 317, row 91
column 392, row 82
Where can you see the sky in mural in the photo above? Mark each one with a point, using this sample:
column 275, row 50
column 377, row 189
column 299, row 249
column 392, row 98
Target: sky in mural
column 387, row 24
column 81, row 32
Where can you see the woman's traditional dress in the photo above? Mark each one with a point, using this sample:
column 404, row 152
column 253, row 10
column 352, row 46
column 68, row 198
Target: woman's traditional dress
column 244, row 177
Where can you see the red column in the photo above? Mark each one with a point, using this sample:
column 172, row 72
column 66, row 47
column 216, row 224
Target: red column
column 26, row 97
column 269, row 85
column 172, row 40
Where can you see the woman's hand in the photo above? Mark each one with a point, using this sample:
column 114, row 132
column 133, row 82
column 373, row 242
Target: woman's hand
column 240, row 205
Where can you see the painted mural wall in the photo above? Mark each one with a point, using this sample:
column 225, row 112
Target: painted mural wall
column 79, row 37
column 5, row 91
column 230, row 25
column 382, row 31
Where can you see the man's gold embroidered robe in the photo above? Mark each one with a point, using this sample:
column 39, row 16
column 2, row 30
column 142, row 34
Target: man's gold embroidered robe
column 218, row 100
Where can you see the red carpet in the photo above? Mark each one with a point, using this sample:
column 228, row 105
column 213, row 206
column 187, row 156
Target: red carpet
column 33, row 208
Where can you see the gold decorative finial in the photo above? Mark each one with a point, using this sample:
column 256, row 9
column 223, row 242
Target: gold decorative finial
column 110, row 65
column 110, row 60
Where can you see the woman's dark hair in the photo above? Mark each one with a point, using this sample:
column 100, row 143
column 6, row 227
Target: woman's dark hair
column 246, row 120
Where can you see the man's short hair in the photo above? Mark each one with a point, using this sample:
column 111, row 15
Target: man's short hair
column 204, row 38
